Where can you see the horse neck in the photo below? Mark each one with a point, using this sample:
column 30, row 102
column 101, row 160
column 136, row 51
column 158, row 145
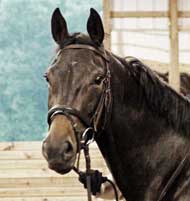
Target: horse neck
column 131, row 145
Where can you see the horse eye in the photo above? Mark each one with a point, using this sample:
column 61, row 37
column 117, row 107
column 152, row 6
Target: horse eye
column 46, row 77
column 98, row 79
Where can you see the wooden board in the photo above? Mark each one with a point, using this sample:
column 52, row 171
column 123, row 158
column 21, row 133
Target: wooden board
column 44, row 198
column 25, row 176
column 146, row 14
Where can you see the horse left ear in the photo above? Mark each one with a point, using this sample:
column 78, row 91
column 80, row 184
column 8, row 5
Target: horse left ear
column 59, row 27
column 95, row 27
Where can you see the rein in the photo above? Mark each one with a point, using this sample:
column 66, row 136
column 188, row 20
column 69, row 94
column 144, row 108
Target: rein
column 94, row 126
column 173, row 178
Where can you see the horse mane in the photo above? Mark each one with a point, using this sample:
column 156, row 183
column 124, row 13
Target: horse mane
column 159, row 96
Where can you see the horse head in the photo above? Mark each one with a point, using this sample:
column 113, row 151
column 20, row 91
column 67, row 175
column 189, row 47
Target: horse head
column 77, row 82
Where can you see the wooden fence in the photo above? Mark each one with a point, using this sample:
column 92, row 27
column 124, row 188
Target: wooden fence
column 24, row 175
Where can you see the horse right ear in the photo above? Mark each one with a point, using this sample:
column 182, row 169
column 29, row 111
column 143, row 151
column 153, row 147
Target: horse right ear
column 95, row 27
column 58, row 27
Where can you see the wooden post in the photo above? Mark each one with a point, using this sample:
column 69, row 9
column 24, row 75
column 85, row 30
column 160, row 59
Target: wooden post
column 174, row 79
column 107, row 23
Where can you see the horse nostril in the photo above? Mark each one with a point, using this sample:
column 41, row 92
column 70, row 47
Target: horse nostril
column 67, row 147
column 67, row 151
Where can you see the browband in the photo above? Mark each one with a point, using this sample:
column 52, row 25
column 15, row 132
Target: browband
column 100, row 52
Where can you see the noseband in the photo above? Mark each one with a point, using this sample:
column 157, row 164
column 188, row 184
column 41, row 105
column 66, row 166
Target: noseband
column 93, row 126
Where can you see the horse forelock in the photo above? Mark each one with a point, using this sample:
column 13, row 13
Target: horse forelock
column 77, row 38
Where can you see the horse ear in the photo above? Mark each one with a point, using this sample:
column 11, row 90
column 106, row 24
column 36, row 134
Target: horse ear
column 58, row 27
column 95, row 27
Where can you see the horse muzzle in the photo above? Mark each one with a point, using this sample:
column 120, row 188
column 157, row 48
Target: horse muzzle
column 59, row 159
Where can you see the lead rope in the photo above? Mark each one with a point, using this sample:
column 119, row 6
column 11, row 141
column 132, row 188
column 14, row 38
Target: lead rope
column 85, row 148
column 88, row 167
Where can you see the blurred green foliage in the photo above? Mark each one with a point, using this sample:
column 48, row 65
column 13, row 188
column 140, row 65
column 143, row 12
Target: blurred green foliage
column 26, row 48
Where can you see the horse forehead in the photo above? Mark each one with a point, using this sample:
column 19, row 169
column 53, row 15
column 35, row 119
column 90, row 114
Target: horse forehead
column 82, row 55
column 80, row 58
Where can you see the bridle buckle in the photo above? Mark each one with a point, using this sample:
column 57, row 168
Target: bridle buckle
column 88, row 136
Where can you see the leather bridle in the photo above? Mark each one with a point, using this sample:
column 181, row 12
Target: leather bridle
column 94, row 126
column 104, row 107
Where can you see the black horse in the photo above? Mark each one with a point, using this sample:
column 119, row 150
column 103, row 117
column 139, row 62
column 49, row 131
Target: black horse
column 142, row 125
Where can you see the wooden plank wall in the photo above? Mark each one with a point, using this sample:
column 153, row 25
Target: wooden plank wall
column 24, row 175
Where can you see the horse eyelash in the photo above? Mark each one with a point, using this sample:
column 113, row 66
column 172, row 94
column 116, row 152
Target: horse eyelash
column 46, row 77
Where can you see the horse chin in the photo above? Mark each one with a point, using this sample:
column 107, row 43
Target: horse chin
column 62, row 168
column 63, row 171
